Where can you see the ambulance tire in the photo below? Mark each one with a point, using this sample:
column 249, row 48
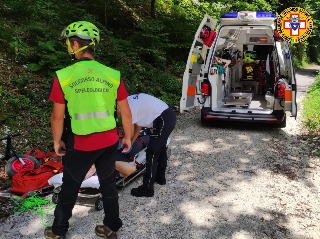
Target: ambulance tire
column 282, row 124
column 204, row 121
column 98, row 204
column 14, row 165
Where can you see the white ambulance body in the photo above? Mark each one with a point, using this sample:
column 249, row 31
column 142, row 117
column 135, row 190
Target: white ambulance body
column 242, row 72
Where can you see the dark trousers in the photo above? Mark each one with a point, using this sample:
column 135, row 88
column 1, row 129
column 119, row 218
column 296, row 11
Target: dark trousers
column 156, row 153
column 76, row 165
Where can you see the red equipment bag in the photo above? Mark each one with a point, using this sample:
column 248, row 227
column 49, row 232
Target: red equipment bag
column 39, row 154
column 30, row 180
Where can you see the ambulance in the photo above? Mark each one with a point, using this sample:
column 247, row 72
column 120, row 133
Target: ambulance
column 243, row 71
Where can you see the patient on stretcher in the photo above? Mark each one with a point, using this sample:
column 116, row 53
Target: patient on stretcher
column 124, row 169
column 125, row 165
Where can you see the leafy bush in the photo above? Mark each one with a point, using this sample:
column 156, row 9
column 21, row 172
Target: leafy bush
column 311, row 106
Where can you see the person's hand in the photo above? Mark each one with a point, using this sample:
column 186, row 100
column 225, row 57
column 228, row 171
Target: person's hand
column 60, row 148
column 128, row 150
column 127, row 143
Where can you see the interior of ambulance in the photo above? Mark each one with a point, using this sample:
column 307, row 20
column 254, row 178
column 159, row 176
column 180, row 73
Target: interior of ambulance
column 247, row 58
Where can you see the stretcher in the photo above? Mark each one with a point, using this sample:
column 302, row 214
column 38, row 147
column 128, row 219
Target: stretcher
column 7, row 193
column 90, row 187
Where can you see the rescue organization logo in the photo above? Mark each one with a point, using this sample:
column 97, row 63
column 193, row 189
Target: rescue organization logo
column 294, row 24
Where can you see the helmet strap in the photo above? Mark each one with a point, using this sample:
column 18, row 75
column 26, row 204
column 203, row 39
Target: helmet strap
column 73, row 53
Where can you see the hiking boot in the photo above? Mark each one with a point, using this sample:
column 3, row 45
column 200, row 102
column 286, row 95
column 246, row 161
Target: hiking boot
column 142, row 192
column 50, row 235
column 161, row 176
column 104, row 231
column 161, row 181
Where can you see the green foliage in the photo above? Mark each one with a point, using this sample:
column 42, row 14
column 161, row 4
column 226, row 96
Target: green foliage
column 22, row 82
column 311, row 106
column 151, row 41
column 33, row 67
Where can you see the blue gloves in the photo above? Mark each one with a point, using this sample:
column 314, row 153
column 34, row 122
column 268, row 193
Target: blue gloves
column 129, row 150
column 119, row 148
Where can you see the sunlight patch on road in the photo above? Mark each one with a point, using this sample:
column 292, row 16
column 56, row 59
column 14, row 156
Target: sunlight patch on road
column 244, row 160
column 165, row 219
column 199, row 213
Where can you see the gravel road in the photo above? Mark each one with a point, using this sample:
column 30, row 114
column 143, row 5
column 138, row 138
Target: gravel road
column 226, row 181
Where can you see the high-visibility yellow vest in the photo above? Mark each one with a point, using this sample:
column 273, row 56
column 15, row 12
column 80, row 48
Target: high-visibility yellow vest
column 90, row 89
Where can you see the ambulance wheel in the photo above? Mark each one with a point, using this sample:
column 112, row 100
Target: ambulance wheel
column 99, row 204
column 204, row 120
column 14, row 165
column 282, row 124
column 55, row 198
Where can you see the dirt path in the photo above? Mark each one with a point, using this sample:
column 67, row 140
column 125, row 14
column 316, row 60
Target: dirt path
column 304, row 78
column 229, row 181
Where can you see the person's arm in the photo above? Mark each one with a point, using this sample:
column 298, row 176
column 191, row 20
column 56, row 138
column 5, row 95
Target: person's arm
column 136, row 132
column 57, row 118
column 126, row 124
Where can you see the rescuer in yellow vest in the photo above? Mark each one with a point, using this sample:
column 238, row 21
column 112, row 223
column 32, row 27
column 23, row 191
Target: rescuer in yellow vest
column 85, row 95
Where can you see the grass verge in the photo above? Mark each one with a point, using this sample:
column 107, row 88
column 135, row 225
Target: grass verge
column 311, row 106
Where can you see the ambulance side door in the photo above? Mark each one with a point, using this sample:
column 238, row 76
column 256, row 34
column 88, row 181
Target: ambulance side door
column 193, row 74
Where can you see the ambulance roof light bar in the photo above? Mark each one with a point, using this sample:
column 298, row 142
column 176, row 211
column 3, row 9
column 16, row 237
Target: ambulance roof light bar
column 246, row 16
column 264, row 14
column 230, row 15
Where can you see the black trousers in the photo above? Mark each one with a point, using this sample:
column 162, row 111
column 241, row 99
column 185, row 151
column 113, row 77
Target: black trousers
column 156, row 153
column 76, row 165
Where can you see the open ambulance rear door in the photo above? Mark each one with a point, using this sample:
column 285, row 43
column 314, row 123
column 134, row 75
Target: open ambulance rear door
column 293, row 83
column 287, row 69
column 193, row 75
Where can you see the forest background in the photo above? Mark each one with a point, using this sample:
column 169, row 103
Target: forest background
column 148, row 41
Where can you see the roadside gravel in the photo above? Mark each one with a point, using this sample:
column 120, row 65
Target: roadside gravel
column 223, row 181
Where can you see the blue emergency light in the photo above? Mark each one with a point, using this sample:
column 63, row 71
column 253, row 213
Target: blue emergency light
column 264, row 14
column 248, row 17
column 230, row 15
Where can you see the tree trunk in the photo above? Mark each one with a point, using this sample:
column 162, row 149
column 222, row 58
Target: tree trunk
column 130, row 11
column 105, row 13
column 152, row 9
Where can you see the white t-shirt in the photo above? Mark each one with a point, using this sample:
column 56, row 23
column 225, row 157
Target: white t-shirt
column 145, row 109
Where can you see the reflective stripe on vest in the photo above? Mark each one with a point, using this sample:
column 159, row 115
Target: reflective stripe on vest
column 89, row 115
column 90, row 89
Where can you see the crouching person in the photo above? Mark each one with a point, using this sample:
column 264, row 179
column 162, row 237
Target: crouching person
column 150, row 112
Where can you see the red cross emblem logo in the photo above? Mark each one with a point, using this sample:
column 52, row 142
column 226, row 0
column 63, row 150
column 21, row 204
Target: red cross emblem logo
column 90, row 71
column 294, row 24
